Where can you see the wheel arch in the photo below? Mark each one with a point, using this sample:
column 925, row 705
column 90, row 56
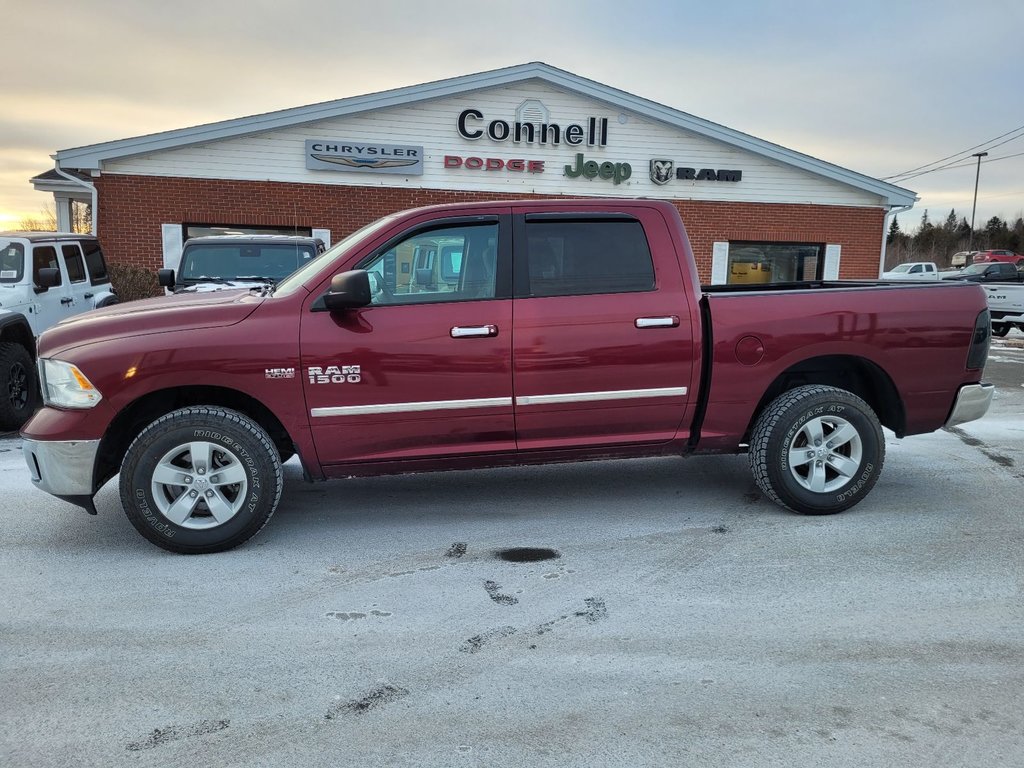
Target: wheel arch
column 852, row 373
column 14, row 329
column 151, row 406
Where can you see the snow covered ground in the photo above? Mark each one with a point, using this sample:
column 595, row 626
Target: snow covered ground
column 684, row 620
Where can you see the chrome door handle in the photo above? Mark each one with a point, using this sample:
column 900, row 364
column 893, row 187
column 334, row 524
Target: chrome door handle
column 472, row 331
column 657, row 322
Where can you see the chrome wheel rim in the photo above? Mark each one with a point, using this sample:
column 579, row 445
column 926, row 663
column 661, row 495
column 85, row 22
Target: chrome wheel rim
column 825, row 454
column 199, row 485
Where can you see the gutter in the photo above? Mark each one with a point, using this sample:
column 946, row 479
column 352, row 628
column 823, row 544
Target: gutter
column 91, row 187
column 894, row 211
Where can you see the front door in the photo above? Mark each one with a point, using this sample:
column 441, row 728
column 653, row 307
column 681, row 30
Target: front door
column 56, row 303
column 425, row 371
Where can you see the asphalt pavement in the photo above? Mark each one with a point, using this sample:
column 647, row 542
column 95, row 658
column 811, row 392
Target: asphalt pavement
column 677, row 619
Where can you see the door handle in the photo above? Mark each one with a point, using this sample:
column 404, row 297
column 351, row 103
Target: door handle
column 88, row 295
column 657, row 322
column 66, row 300
column 472, row 331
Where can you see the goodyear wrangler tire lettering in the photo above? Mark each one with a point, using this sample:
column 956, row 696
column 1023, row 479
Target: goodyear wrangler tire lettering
column 201, row 479
column 817, row 450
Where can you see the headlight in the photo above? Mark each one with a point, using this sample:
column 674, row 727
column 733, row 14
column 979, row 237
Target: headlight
column 65, row 386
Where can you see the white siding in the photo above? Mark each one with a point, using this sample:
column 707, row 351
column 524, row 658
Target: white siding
column 279, row 155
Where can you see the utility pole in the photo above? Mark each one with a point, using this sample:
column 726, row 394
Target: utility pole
column 977, row 175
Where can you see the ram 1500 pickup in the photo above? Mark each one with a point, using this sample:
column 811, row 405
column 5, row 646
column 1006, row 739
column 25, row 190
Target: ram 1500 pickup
column 491, row 334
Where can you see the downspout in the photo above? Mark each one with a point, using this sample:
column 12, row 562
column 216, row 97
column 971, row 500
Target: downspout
column 87, row 185
column 895, row 211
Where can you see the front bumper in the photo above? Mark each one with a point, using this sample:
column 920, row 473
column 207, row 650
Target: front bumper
column 63, row 468
column 972, row 402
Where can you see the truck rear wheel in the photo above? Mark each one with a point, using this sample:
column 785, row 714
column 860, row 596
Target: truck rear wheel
column 19, row 388
column 817, row 450
column 201, row 479
column 1000, row 329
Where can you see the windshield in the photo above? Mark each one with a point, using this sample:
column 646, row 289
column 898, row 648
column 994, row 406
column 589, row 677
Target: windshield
column 12, row 261
column 300, row 276
column 901, row 268
column 214, row 262
column 974, row 269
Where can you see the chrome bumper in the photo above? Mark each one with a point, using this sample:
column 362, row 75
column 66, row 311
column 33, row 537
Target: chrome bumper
column 63, row 468
column 972, row 402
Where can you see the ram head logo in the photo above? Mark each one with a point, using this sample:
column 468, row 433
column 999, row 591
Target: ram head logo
column 661, row 171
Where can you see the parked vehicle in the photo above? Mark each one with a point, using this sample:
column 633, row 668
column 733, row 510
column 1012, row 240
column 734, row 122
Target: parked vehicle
column 988, row 272
column 217, row 262
column 584, row 336
column 913, row 270
column 44, row 278
column 1006, row 304
column 983, row 257
column 959, row 260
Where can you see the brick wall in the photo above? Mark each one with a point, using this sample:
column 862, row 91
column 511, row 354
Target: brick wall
column 132, row 208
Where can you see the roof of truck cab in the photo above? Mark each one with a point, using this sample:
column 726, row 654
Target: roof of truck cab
column 40, row 237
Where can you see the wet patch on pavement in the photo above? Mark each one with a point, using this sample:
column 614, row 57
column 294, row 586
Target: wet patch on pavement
column 176, row 733
column 477, row 642
column 493, row 590
column 456, row 550
column 376, row 698
column 527, row 554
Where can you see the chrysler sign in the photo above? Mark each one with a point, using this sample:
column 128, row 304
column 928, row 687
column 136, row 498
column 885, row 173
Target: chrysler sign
column 363, row 157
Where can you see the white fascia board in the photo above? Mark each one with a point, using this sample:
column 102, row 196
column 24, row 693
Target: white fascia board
column 92, row 157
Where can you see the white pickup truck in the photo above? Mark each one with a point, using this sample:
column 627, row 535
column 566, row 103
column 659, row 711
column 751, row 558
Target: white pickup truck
column 913, row 270
column 1006, row 305
column 44, row 278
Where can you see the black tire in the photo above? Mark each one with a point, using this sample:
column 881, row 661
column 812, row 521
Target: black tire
column 227, row 467
column 799, row 423
column 1000, row 329
column 108, row 302
column 19, row 386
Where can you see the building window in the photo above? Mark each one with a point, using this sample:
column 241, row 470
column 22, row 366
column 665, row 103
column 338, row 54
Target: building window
column 754, row 263
column 205, row 230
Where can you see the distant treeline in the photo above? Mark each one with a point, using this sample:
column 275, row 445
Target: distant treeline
column 938, row 242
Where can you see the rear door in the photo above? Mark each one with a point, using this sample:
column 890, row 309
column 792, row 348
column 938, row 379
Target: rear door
column 78, row 282
column 603, row 349
column 426, row 370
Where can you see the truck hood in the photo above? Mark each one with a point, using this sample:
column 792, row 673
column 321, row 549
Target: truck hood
column 167, row 314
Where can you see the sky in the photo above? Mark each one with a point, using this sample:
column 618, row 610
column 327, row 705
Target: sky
column 876, row 86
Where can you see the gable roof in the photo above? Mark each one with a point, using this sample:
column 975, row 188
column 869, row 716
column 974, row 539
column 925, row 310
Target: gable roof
column 92, row 156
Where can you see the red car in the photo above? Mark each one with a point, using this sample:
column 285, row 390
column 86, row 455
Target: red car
column 1010, row 256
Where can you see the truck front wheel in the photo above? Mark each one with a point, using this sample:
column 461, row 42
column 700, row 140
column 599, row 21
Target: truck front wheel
column 201, row 479
column 19, row 390
column 817, row 450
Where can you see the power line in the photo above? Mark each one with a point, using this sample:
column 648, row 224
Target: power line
column 959, row 164
column 958, row 154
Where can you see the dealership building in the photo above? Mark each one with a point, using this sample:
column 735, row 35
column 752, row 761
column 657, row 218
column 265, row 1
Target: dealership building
column 755, row 211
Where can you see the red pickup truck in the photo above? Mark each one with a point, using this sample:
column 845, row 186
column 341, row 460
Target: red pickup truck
column 492, row 334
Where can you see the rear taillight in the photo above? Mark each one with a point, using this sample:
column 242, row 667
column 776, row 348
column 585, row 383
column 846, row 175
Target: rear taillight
column 978, row 355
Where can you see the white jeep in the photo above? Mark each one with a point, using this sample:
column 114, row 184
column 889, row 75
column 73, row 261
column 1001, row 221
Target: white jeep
column 44, row 278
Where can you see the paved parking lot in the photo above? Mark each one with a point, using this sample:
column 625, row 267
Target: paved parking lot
column 684, row 620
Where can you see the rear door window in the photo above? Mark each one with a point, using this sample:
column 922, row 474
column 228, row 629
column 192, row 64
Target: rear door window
column 576, row 258
column 74, row 263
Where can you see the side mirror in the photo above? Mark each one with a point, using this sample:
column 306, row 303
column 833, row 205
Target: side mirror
column 349, row 290
column 165, row 277
column 49, row 277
